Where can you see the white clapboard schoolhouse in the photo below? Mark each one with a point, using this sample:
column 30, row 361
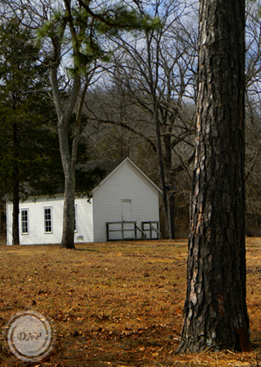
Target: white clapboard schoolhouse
column 124, row 205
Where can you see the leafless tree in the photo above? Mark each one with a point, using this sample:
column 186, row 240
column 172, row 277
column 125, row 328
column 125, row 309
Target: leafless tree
column 154, row 77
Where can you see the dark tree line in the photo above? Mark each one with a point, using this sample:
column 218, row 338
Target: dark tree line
column 29, row 145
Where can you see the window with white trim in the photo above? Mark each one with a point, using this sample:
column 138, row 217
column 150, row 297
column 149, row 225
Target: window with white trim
column 24, row 221
column 48, row 220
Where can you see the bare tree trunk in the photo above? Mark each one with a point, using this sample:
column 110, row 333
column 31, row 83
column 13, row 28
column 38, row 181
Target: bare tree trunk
column 69, row 187
column 68, row 211
column 170, row 185
column 153, row 83
column 15, row 229
column 172, row 215
column 162, row 174
column 69, row 158
column 215, row 313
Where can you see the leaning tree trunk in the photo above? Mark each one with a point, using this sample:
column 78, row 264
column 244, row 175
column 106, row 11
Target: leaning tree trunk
column 68, row 211
column 69, row 159
column 215, row 314
column 69, row 189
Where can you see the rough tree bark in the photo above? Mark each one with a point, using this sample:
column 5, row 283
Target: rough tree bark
column 64, row 114
column 215, row 314
column 69, row 160
column 15, row 225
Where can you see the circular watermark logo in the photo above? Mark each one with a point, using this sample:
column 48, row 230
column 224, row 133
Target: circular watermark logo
column 29, row 336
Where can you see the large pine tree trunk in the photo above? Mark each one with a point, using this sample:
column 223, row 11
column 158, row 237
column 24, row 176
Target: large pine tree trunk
column 215, row 312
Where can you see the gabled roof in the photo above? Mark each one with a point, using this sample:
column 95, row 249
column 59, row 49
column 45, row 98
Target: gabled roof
column 134, row 167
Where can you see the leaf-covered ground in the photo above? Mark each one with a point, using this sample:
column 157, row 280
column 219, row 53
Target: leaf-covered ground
column 114, row 304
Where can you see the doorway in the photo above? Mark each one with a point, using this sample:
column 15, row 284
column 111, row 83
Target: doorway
column 126, row 214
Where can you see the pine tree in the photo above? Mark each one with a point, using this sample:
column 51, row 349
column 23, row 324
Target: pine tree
column 29, row 144
column 215, row 314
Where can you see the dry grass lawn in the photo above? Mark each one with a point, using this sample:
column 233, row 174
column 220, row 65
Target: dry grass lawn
column 114, row 304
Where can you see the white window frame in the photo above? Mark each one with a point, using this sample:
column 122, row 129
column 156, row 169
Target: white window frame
column 51, row 219
column 27, row 221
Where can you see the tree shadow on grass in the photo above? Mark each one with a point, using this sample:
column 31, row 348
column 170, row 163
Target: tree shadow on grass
column 87, row 249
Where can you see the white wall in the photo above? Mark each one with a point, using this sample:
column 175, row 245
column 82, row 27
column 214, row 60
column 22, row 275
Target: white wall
column 9, row 221
column 125, row 183
column 36, row 233
column 84, row 220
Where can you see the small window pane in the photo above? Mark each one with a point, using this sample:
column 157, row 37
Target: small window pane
column 48, row 219
column 24, row 216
